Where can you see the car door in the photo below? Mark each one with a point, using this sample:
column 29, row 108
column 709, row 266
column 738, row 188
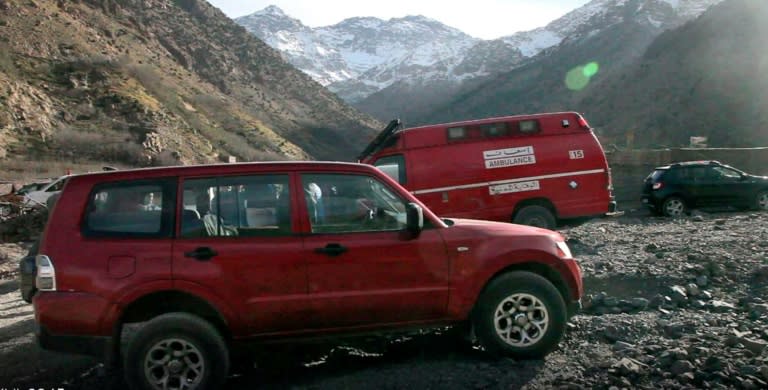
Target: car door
column 235, row 241
column 720, row 186
column 363, row 268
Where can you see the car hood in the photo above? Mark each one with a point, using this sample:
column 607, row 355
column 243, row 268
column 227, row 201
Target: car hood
column 502, row 228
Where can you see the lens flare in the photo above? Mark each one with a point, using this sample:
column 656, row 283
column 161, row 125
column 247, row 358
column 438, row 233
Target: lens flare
column 578, row 78
column 591, row 69
column 575, row 79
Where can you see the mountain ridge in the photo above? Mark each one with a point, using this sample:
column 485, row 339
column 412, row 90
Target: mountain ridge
column 157, row 81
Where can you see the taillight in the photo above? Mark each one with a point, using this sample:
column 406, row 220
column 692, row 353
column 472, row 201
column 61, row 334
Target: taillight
column 583, row 122
column 610, row 180
column 658, row 185
column 45, row 280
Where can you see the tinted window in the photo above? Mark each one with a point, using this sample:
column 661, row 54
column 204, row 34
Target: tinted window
column 725, row 173
column 656, row 175
column 529, row 126
column 132, row 208
column 244, row 206
column 495, row 130
column 351, row 203
column 455, row 133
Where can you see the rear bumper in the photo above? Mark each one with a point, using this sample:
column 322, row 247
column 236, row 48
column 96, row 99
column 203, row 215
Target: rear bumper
column 99, row 346
column 649, row 201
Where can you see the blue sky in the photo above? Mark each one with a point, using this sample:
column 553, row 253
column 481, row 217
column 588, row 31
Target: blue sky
column 487, row 19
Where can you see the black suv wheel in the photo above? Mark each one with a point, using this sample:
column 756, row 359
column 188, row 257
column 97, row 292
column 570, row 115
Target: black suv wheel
column 674, row 207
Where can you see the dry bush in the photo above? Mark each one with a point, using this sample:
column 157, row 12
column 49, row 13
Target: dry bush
column 108, row 146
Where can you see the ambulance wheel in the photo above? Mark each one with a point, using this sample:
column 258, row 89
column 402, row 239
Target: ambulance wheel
column 538, row 216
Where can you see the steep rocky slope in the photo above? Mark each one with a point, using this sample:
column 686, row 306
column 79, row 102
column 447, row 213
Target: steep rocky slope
column 157, row 81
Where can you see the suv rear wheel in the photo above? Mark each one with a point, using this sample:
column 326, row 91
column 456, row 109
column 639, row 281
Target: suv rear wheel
column 176, row 351
column 520, row 314
column 673, row 207
column 761, row 201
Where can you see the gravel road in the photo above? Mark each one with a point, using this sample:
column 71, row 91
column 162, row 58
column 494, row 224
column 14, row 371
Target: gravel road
column 671, row 304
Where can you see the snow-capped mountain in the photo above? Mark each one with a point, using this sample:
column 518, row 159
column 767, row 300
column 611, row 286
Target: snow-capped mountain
column 359, row 57
column 368, row 53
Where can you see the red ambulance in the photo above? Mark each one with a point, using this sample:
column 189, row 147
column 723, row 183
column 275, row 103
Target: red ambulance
column 528, row 169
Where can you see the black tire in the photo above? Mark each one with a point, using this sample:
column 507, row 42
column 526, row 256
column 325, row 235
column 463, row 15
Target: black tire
column 761, row 201
column 674, row 206
column 501, row 294
column 538, row 216
column 204, row 347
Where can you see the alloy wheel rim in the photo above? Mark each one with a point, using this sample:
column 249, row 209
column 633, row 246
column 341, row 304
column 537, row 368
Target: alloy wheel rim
column 174, row 364
column 762, row 201
column 521, row 320
column 674, row 208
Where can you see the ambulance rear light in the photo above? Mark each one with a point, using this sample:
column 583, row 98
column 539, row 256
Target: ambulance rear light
column 583, row 122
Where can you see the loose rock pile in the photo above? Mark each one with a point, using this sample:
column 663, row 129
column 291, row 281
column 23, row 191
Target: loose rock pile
column 670, row 304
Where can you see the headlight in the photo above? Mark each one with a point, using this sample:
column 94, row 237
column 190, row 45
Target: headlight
column 562, row 250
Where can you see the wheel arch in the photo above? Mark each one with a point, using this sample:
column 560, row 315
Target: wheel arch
column 546, row 271
column 157, row 303
column 543, row 202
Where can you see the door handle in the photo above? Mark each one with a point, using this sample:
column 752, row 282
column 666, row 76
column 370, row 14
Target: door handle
column 332, row 249
column 203, row 253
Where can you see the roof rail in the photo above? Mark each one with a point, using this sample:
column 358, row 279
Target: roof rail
column 383, row 136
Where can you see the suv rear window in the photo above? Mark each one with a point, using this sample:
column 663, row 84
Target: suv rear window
column 657, row 174
column 130, row 208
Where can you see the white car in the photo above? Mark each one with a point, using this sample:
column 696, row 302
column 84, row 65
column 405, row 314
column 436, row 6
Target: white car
column 40, row 196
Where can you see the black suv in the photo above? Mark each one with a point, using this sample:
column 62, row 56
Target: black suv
column 673, row 189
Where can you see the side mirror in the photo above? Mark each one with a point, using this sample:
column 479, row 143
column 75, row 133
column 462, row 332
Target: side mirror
column 414, row 218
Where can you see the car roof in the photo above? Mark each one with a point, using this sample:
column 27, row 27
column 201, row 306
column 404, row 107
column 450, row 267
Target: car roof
column 226, row 169
column 695, row 163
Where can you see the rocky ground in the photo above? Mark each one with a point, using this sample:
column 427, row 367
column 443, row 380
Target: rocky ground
column 671, row 304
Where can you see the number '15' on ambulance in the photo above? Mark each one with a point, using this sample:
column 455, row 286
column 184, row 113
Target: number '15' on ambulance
column 528, row 169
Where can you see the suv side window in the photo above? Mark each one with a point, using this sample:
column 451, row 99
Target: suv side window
column 342, row 203
column 131, row 208
column 725, row 174
column 697, row 173
column 245, row 206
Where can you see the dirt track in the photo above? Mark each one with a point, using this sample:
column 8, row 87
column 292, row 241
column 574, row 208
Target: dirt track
column 672, row 303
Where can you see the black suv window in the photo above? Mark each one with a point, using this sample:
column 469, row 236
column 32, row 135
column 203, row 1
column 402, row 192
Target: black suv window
column 723, row 173
column 131, row 208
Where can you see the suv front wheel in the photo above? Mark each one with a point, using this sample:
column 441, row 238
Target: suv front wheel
column 673, row 207
column 521, row 315
column 176, row 351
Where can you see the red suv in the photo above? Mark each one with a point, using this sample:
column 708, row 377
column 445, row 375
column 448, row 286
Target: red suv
column 212, row 256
